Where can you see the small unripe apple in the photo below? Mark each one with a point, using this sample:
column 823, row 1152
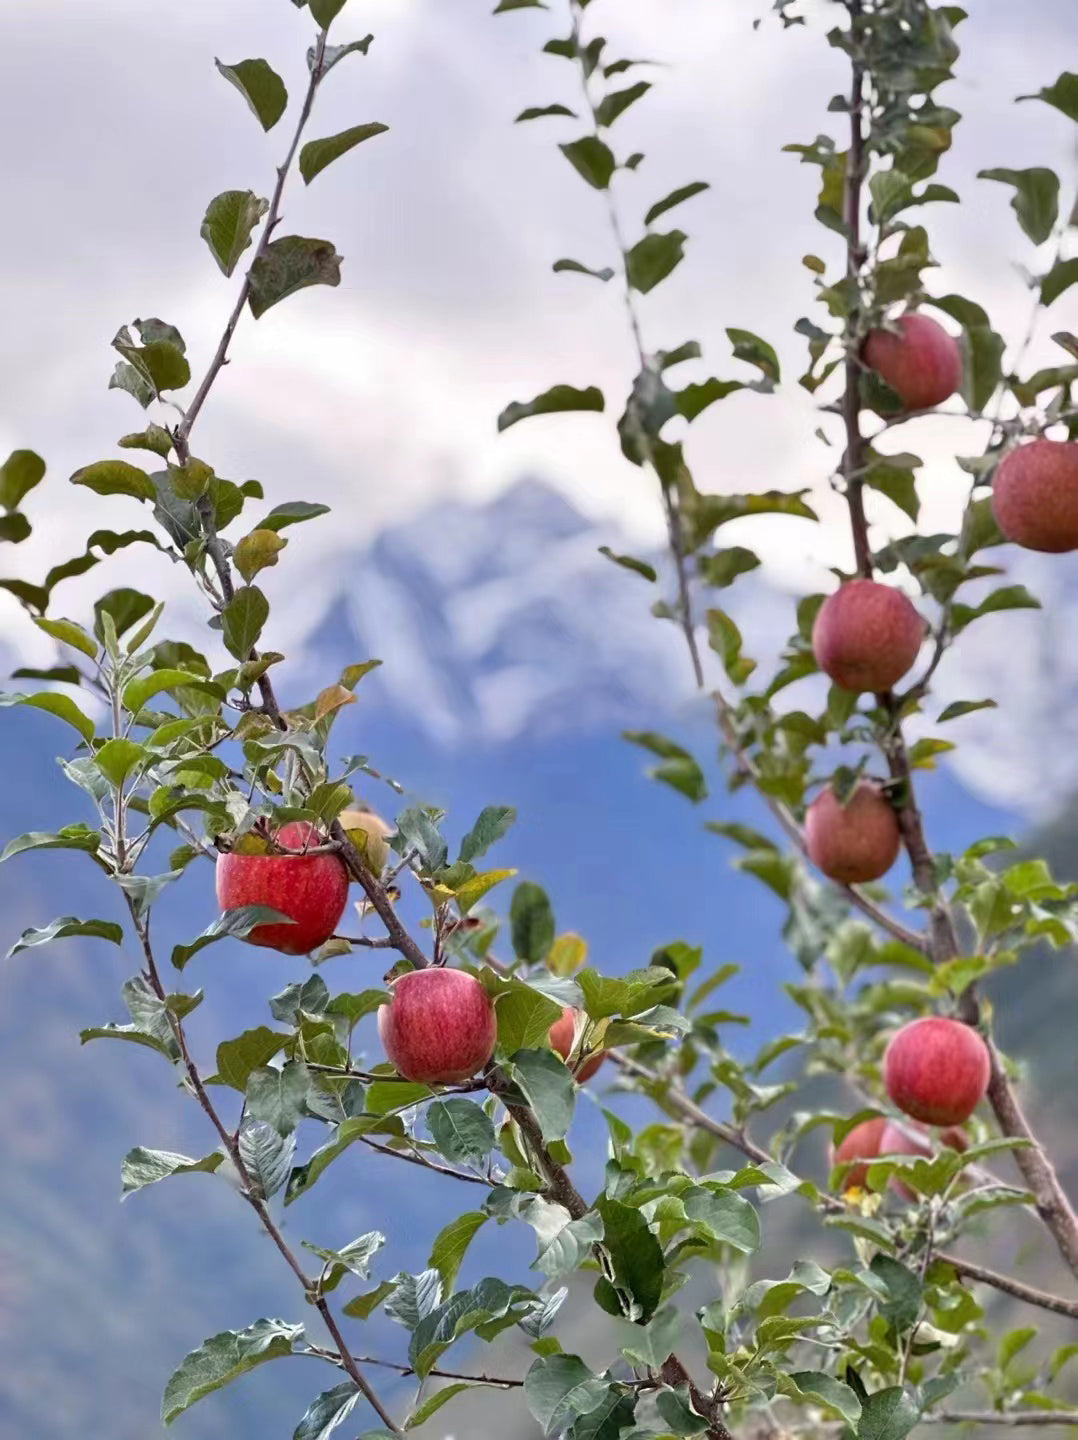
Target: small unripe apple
column 311, row 889
column 936, row 1070
column 439, row 1028
column 561, row 1040
column 919, row 360
column 1035, row 495
column 855, row 842
column 368, row 832
column 866, row 636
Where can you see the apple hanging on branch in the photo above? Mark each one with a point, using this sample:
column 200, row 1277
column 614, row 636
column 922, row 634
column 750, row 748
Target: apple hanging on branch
column 311, row 889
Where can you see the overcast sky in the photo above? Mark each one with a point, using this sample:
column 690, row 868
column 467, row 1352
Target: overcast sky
column 381, row 397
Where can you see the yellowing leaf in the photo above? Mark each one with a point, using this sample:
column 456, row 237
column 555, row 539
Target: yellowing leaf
column 257, row 551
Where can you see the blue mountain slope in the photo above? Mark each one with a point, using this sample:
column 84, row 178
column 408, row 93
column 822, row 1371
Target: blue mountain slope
column 517, row 701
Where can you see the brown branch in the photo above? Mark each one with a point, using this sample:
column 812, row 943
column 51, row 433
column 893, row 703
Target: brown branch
column 498, row 1381
column 249, row 1191
column 414, row 1159
column 379, row 897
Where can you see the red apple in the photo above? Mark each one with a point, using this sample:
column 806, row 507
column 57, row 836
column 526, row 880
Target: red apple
column 862, row 1143
column 439, row 1028
column 855, row 842
column 936, row 1070
column 866, row 636
column 561, row 1039
column 919, row 360
column 1035, row 495
column 311, row 889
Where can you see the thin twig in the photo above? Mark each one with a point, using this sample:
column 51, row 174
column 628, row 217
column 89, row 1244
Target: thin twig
column 1004, row 1417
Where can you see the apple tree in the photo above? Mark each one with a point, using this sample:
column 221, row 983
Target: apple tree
column 490, row 1020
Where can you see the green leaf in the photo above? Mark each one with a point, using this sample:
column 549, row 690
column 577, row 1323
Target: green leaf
column 327, row 1411
column 61, row 706
column 618, row 101
column 1063, row 274
column 675, row 1407
column 575, row 267
column 676, row 197
column 19, row 474
column 903, row 1303
column 143, row 1167
column 71, row 837
column 326, row 11
column 965, row 707
column 541, row 112
column 1036, row 198
column 120, row 609
column 290, row 264
column 257, row 551
column 354, row 1259
column 548, row 1087
column 317, row 154
column 230, row 220
column 451, row 1243
column 1008, row 597
column 591, row 159
column 1062, row 93
column 238, row 1058
column 531, row 922
column 243, row 619
column 636, row 1259
column 725, row 1215
column 14, row 529
column 158, row 363
column 364, row 1306
column 504, row 6
column 154, row 438
column 233, row 924
column 493, row 822
column 64, row 928
column 277, row 1097
column 754, row 351
column 116, row 759
column 653, row 258
column 334, row 54
column 292, row 513
column 223, row 1357
column 629, row 562
column 831, row 1392
column 462, row 1131
column 260, row 86
column 115, row 477
column 559, row 399
column 559, row 1387
column 265, row 1155
column 724, row 566
column 70, row 633
column 887, row 1415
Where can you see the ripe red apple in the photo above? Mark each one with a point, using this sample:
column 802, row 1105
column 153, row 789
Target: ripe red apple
column 1035, row 495
column 311, row 889
column 439, row 1028
column 866, row 636
column 862, row 1143
column 855, row 842
column 919, row 360
column 936, row 1070
column 561, row 1040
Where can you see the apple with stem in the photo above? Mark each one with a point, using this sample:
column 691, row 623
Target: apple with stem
column 439, row 1028
column 855, row 841
column 312, row 890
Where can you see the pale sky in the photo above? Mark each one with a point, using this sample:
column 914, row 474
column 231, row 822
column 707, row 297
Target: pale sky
column 381, row 397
